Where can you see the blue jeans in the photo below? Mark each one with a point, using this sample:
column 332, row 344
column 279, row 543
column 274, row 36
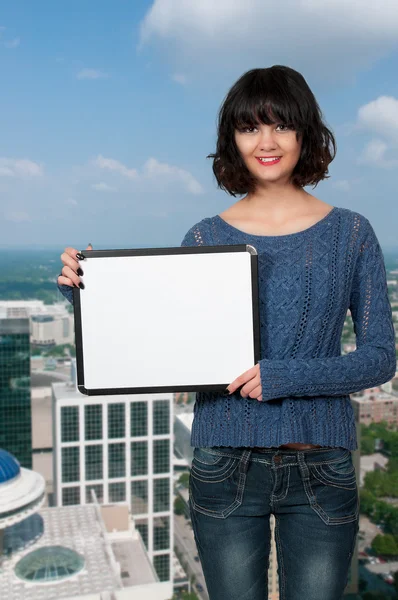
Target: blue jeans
column 313, row 496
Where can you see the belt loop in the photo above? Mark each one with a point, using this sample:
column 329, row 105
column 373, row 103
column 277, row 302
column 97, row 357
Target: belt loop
column 244, row 460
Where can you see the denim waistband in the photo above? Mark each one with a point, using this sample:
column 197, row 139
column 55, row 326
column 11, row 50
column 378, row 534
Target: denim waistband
column 318, row 455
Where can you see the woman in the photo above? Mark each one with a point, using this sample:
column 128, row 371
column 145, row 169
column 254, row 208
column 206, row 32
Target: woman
column 279, row 440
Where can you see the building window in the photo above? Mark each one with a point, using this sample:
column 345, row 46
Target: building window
column 117, row 492
column 161, row 533
column 70, row 464
column 70, row 424
column 142, row 526
column 99, row 492
column 93, row 462
column 116, row 460
column 139, row 458
column 161, row 494
column 162, row 566
column 116, row 421
column 70, row 496
column 139, row 497
column 93, row 422
column 138, row 419
column 161, row 456
column 161, row 417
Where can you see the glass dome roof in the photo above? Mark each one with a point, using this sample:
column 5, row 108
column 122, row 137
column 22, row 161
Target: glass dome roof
column 50, row 563
column 9, row 466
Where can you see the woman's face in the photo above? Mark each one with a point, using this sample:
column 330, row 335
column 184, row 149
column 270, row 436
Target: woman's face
column 265, row 141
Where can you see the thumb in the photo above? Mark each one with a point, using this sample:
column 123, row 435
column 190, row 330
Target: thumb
column 89, row 247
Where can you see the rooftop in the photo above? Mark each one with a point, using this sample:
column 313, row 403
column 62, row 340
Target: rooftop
column 77, row 528
column 95, row 552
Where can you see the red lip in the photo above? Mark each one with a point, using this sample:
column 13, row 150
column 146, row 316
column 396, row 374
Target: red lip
column 268, row 164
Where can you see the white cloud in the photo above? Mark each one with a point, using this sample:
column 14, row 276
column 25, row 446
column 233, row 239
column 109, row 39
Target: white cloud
column 377, row 154
column 103, row 187
column 179, row 78
column 379, row 117
column 18, row 216
column 13, row 43
column 114, row 165
column 342, row 184
column 11, row 167
column 325, row 37
column 71, row 201
column 154, row 169
column 91, row 74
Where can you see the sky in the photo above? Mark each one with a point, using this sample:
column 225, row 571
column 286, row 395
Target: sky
column 109, row 109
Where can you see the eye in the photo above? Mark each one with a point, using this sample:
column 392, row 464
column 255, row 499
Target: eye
column 287, row 126
column 246, row 129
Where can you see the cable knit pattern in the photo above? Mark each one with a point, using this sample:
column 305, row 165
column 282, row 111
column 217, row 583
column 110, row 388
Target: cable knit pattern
column 307, row 282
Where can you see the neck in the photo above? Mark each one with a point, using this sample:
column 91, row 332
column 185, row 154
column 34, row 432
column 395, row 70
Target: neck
column 277, row 202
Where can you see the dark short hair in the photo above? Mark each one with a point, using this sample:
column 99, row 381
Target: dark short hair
column 277, row 94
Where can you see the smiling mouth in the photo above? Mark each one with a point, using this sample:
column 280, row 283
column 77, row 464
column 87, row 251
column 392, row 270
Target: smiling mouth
column 269, row 161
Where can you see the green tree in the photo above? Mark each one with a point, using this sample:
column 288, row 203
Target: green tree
column 179, row 506
column 184, row 479
column 385, row 545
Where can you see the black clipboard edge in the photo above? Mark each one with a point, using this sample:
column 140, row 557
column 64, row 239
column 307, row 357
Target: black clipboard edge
column 155, row 252
column 78, row 341
column 154, row 390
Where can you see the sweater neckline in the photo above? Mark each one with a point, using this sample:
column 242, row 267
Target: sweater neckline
column 310, row 229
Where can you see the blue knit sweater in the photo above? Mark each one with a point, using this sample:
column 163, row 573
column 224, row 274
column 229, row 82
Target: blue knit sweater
column 307, row 282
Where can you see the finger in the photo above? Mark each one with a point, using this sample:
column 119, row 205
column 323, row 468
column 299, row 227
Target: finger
column 69, row 261
column 256, row 392
column 237, row 383
column 71, row 274
column 244, row 378
column 89, row 247
column 252, row 388
column 68, row 258
column 72, row 252
column 62, row 280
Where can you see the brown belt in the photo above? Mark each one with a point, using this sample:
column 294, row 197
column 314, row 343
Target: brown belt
column 307, row 447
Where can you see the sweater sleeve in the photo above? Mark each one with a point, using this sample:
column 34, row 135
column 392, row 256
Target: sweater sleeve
column 66, row 291
column 374, row 360
column 198, row 235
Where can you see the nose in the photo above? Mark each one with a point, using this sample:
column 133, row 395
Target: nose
column 267, row 141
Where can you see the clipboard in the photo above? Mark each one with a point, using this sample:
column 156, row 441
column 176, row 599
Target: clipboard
column 166, row 319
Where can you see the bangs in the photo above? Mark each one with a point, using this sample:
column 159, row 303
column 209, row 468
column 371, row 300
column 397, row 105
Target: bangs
column 261, row 100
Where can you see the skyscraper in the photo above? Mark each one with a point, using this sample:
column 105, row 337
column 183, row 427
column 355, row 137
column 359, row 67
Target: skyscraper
column 15, row 406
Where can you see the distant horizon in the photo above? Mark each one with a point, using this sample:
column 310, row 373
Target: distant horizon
column 38, row 248
column 103, row 247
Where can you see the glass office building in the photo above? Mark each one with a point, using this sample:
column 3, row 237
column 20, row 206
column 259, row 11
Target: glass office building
column 15, row 403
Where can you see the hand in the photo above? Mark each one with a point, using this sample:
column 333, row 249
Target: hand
column 70, row 270
column 251, row 382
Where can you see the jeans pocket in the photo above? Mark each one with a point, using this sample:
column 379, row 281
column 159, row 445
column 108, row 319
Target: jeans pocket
column 335, row 492
column 339, row 472
column 342, row 465
column 205, row 456
column 215, row 483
